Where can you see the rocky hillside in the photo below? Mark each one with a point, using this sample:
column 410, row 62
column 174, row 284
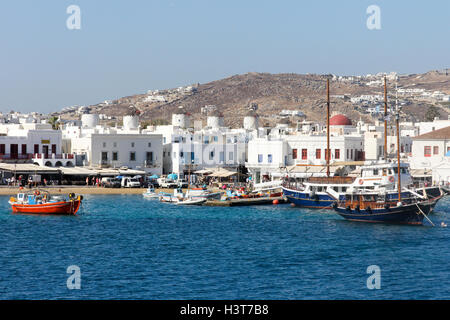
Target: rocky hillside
column 276, row 92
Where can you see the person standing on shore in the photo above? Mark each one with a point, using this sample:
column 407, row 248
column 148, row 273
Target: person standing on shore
column 87, row 181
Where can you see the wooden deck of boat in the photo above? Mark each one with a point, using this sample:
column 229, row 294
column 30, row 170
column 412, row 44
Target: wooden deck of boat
column 243, row 202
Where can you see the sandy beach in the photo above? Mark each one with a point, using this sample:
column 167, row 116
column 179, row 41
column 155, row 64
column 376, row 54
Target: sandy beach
column 81, row 190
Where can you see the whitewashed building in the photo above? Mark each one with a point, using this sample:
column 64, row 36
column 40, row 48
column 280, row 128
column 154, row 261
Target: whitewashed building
column 430, row 149
column 271, row 154
column 189, row 149
column 33, row 142
column 128, row 146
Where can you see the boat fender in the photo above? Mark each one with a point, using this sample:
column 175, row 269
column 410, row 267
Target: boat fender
column 36, row 193
column 357, row 207
column 369, row 209
column 386, row 206
column 349, row 208
column 71, row 195
column 80, row 197
column 335, row 205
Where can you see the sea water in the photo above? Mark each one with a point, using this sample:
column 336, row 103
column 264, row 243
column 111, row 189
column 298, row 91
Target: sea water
column 127, row 247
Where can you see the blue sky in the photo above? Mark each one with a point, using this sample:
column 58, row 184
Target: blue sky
column 129, row 47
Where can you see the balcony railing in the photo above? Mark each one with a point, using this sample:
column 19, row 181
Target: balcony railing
column 15, row 156
column 53, row 156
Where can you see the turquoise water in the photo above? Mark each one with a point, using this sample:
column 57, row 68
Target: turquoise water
column 132, row 248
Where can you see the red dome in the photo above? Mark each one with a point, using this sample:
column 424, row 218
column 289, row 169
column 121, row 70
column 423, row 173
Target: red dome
column 340, row 120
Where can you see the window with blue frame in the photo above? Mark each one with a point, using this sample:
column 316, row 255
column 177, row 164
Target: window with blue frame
column 260, row 158
column 269, row 158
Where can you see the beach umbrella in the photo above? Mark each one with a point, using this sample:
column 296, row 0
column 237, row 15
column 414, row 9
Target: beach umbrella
column 172, row 176
column 155, row 176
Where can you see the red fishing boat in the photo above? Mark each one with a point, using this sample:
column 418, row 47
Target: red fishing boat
column 41, row 202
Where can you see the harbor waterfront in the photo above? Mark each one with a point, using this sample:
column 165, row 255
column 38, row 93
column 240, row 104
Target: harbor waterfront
column 82, row 190
column 128, row 247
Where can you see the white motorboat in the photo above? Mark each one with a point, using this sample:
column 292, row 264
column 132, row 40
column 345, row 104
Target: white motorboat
column 151, row 194
column 167, row 197
column 191, row 201
column 200, row 193
column 180, row 199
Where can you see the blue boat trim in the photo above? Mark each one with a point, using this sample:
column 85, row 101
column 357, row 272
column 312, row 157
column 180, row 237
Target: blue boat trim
column 323, row 200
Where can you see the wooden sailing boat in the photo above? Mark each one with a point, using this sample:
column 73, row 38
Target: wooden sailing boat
column 374, row 207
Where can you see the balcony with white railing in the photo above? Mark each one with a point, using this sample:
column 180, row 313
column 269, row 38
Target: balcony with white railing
column 5, row 157
column 54, row 159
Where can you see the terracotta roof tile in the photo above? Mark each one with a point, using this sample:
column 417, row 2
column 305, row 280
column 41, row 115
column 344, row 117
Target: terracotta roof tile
column 443, row 133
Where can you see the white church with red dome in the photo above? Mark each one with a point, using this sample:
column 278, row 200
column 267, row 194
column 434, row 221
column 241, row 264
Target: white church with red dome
column 340, row 120
column 340, row 124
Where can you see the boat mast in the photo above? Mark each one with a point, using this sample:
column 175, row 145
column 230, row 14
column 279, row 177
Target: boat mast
column 397, row 120
column 385, row 121
column 327, row 156
column 399, row 182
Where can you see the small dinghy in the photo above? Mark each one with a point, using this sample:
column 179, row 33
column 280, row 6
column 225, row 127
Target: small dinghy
column 151, row 194
column 191, row 201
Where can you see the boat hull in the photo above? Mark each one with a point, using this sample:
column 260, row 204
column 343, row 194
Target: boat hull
column 323, row 200
column 407, row 214
column 305, row 200
column 203, row 194
column 55, row 208
column 191, row 202
column 209, row 196
column 154, row 196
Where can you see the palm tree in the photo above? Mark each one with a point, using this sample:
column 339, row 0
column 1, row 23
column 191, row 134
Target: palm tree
column 54, row 121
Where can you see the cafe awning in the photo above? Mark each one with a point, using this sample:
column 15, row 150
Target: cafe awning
column 223, row 173
column 27, row 168
column 77, row 171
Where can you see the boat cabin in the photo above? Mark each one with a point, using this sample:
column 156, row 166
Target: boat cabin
column 367, row 201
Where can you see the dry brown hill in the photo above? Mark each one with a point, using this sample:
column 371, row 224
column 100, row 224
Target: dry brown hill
column 275, row 92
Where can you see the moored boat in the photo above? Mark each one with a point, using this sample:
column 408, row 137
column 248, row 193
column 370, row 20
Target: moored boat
column 179, row 198
column 190, row 201
column 150, row 193
column 375, row 208
column 323, row 192
column 202, row 193
column 41, row 202
column 384, row 176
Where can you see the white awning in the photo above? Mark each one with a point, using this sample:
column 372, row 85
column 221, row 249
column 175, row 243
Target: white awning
column 222, row 173
column 27, row 168
column 77, row 171
column 203, row 171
